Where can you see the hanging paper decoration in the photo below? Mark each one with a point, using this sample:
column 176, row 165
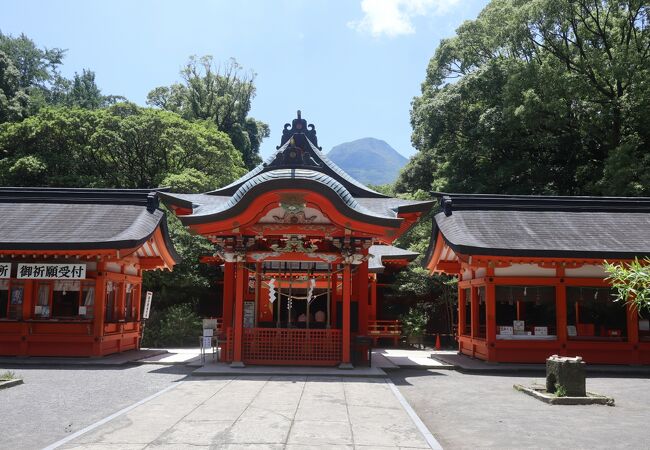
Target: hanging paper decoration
column 310, row 291
column 272, row 290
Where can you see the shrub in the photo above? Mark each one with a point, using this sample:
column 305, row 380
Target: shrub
column 414, row 323
column 560, row 391
column 7, row 376
column 177, row 325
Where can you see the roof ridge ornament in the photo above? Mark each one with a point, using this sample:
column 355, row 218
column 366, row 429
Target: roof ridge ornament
column 299, row 126
column 297, row 145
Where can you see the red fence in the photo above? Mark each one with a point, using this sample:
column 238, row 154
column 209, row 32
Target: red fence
column 291, row 346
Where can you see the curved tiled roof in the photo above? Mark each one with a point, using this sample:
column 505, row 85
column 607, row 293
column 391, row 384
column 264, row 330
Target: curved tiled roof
column 298, row 163
column 381, row 253
column 324, row 164
column 567, row 227
column 79, row 219
column 278, row 179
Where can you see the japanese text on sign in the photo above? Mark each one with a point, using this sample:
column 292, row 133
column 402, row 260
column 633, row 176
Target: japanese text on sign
column 147, row 305
column 5, row 270
column 52, row 271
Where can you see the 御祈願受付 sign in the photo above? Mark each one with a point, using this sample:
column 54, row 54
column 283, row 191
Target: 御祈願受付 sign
column 52, row 271
column 5, row 270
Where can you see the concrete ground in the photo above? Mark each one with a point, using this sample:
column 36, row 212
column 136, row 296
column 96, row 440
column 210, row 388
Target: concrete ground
column 484, row 411
column 56, row 401
column 289, row 412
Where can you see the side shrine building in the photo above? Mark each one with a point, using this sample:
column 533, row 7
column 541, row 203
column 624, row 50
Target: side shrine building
column 299, row 241
column 531, row 277
column 71, row 263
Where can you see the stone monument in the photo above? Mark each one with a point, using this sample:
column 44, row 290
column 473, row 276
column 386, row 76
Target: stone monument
column 567, row 372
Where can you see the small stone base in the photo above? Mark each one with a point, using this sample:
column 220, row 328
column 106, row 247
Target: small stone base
column 237, row 365
column 539, row 392
column 346, row 366
column 10, row 383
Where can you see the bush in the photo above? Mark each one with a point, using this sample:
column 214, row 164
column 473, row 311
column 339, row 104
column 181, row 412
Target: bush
column 414, row 323
column 560, row 391
column 176, row 326
column 7, row 376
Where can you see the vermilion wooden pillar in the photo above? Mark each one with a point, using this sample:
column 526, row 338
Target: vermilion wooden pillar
column 228, row 293
column 334, row 298
column 490, row 319
column 461, row 311
column 239, row 316
column 373, row 297
column 362, row 283
column 347, row 288
column 99, row 311
column 560, row 317
column 474, row 312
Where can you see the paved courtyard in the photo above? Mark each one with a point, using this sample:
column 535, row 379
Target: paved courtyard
column 484, row 411
column 264, row 412
column 154, row 406
column 55, row 402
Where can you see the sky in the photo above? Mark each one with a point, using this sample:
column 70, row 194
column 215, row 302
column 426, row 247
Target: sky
column 351, row 66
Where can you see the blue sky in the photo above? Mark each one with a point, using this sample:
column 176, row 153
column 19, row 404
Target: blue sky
column 351, row 66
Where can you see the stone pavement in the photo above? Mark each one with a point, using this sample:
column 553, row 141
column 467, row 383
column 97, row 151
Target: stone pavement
column 290, row 412
column 412, row 359
column 466, row 364
column 116, row 359
column 171, row 356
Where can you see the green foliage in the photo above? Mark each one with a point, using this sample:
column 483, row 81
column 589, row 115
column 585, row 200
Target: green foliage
column 122, row 146
column 14, row 100
column 537, row 97
column 176, row 326
column 221, row 95
column 7, row 375
column 414, row 323
column 560, row 390
column 30, row 80
column 631, row 281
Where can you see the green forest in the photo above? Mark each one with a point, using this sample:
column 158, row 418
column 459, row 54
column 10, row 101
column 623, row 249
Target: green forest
column 532, row 97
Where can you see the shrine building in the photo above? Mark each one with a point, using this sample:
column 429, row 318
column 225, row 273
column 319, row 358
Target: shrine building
column 300, row 244
column 531, row 277
column 71, row 263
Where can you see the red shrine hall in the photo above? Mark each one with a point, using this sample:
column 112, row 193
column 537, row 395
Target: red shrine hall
column 300, row 243
column 71, row 263
column 531, row 281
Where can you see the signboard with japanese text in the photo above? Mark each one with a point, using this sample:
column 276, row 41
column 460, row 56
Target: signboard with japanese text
column 51, row 271
column 5, row 270
column 249, row 314
column 147, row 305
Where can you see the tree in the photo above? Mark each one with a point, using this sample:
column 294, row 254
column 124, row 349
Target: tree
column 14, row 101
column 123, row 146
column 82, row 92
column 36, row 71
column 537, row 97
column 221, row 95
column 631, row 281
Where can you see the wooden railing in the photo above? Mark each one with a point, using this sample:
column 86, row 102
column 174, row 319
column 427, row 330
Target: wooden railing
column 385, row 329
column 288, row 346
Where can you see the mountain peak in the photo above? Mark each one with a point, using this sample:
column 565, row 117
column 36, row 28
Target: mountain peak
column 369, row 160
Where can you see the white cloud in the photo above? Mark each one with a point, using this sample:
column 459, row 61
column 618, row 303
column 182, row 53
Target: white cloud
column 394, row 17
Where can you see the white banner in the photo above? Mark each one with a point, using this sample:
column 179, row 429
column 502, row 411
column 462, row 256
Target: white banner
column 52, row 271
column 5, row 270
column 147, row 305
